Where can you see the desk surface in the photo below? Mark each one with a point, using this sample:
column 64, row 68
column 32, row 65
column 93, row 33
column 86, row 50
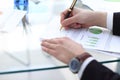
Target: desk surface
column 20, row 49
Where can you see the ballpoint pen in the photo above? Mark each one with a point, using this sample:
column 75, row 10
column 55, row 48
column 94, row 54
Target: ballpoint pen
column 69, row 11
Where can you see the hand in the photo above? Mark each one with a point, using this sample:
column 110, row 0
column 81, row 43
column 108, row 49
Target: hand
column 83, row 18
column 62, row 48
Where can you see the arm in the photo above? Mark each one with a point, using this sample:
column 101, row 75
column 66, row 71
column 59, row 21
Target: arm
column 96, row 71
column 64, row 49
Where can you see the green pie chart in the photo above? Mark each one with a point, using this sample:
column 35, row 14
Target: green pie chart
column 95, row 30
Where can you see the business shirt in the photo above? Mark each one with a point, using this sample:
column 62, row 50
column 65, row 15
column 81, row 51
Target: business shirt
column 93, row 70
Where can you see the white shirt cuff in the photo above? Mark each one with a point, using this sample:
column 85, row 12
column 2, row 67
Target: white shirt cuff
column 110, row 20
column 83, row 66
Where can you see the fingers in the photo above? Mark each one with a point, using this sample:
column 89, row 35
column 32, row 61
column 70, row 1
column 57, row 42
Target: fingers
column 66, row 22
column 63, row 14
column 50, row 43
column 71, row 20
column 51, row 46
column 75, row 25
column 48, row 50
column 53, row 43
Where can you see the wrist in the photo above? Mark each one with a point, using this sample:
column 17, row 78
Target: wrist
column 101, row 19
column 76, row 62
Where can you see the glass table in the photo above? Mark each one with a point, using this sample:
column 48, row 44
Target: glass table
column 20, row 49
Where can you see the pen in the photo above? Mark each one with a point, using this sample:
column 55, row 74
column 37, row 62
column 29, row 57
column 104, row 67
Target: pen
column 69, row 11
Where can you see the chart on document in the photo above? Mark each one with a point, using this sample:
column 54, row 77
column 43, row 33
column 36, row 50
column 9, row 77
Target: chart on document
column 95, row 38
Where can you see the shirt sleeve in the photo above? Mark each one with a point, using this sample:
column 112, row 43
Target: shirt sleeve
column 110, row 21
column 116, row 23
column 84, row 65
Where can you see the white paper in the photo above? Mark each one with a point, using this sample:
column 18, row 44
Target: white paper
column 115, row 44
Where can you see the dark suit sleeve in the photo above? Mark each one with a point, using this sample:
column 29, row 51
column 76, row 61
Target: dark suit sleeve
column 96, row 71
column 116, row 23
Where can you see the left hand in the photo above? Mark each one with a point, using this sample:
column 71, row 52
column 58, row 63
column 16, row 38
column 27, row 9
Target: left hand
column 62, row 48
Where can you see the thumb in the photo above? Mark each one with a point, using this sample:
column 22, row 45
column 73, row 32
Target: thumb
column 69, row 21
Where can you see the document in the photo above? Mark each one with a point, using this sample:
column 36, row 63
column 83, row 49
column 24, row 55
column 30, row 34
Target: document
column 93, row 38
column 9, row 19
